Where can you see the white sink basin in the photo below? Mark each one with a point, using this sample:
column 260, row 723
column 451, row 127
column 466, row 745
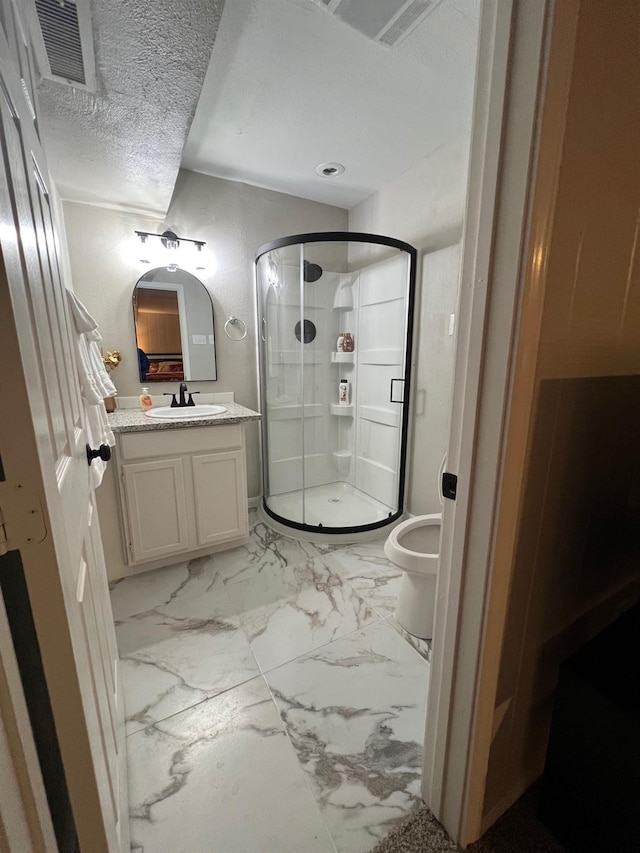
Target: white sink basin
column 186, row 413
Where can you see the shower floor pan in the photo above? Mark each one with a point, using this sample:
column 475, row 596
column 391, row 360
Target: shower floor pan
column 332, row 505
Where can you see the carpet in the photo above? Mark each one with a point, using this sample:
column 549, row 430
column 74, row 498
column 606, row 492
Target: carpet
column 517, row 831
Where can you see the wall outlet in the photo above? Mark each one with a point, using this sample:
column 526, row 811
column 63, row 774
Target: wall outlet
column 211, row 339
column 452, row 323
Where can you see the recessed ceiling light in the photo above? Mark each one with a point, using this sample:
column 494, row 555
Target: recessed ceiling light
column 330, row 170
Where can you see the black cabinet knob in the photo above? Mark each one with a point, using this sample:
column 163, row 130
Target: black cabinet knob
column 103, row 452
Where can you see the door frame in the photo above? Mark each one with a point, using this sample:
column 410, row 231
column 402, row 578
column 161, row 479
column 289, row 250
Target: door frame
column 503, row 252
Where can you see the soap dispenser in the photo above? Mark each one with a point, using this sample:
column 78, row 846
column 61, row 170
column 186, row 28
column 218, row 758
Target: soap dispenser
column 146, row 400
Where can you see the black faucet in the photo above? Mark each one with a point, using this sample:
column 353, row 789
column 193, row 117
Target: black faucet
column 182, row 403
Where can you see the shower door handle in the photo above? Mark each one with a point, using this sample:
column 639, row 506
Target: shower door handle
column 396, row 396
column 263, row 330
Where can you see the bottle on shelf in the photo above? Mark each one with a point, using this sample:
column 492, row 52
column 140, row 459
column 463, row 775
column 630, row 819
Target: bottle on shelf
column 340, row 344
column 343, row 396
column 347, row 342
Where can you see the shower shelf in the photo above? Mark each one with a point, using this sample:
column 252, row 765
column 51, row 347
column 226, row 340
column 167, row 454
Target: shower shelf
column 342, row 460
column 342, row 357
column 341, row 409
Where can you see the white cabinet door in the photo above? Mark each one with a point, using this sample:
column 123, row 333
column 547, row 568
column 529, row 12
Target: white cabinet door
column 220, row 491
column 157, row 508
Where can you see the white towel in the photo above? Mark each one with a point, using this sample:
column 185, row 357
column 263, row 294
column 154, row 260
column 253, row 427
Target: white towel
column 82, row 320
column 95, row 383
column 94, row 378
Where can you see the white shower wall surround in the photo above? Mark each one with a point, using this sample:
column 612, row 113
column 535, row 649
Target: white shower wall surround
column 321, row 455
column 380, row 358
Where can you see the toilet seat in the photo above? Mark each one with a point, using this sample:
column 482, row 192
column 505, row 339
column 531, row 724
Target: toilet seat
column 419, row 562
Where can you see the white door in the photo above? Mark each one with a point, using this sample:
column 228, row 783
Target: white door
column 219, row 487
column 46, row 496
column 156, row 508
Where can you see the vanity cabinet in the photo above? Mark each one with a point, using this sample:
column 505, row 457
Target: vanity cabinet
column 182, row 491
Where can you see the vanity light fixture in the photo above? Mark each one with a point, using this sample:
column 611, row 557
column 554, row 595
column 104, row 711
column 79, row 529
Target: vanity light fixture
column 174, row 250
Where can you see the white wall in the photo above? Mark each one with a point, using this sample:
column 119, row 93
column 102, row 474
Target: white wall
column 235, row 220
column 425, row 207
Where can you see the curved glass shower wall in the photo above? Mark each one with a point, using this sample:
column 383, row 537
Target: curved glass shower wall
column 335, row 413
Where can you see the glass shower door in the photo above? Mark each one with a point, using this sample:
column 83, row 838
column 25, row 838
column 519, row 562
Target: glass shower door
column 335, row 315
column 279, row 313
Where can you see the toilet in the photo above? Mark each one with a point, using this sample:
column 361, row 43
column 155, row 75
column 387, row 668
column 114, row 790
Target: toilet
column 414, row 546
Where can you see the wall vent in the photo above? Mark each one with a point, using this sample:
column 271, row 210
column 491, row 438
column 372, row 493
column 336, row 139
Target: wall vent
column 386, row 21
column 63, row 40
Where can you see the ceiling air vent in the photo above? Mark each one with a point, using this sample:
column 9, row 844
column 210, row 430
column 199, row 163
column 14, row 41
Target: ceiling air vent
column 64, row 41
column 384, row 21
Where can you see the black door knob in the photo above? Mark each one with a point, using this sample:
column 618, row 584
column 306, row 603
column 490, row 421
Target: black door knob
column 103, row 452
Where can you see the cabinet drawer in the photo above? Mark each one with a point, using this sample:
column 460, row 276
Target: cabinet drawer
column 165, row 442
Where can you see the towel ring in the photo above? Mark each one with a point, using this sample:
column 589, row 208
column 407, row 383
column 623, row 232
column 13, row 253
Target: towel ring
column 235, row 322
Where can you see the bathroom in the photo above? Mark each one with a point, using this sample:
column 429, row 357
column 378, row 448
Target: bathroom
column 211, row 637
column 260, row 641
column 272, row 699
column 235, row 218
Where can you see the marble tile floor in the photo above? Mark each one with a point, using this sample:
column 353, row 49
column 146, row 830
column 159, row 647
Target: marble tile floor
column 273, row 703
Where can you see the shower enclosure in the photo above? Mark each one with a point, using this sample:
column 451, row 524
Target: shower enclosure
column 335, row 412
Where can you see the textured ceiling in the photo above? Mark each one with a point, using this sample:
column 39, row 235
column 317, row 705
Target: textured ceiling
column 123, row 144
column 290, row 86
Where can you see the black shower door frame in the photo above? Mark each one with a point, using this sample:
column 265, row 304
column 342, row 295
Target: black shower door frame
column 343, row 237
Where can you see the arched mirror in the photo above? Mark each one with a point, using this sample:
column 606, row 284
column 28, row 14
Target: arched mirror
column 173, row 316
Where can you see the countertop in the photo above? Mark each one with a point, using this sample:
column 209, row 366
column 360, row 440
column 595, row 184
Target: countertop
column 134, row 420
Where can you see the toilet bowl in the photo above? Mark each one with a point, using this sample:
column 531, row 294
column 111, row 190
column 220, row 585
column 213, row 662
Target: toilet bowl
column 414, row 546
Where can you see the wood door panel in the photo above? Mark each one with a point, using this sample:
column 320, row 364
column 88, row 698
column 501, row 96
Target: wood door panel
column 65, row 325
column 40, row 292
column 106, row 749
column 9, row 24
column 17, row 195
column 61, row 398
column 55, row 293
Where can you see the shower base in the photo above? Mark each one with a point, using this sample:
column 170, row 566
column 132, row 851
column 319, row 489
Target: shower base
column 332, row 505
